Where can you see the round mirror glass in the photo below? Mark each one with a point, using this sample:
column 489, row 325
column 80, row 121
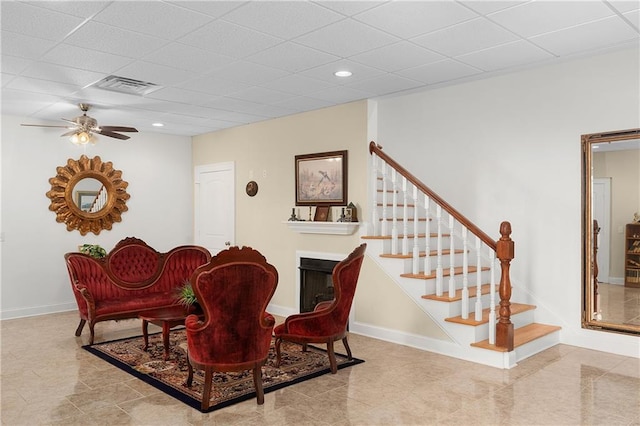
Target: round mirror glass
column 87, row 195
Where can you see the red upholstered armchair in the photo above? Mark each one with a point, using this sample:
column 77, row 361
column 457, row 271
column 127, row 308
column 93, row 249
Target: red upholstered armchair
column 233, row 289
column 328, row 322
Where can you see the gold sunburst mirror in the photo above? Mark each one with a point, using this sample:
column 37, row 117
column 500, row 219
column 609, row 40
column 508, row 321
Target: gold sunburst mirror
column 88, row 195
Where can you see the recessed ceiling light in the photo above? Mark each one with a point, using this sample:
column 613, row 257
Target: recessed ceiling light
column 343, row 73
column 157, row 124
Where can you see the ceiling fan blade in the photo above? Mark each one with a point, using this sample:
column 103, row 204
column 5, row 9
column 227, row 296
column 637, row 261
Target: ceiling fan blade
column 112, row 134
column 118, row 129
column 44, row 125
column 69, row 133
column 74, row 121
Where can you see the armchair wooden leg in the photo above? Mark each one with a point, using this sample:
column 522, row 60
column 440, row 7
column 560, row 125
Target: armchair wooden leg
column 206, row 392
column 278, row 354
column 347, row 348
column 332, row 357
column 190, row 373
column 91, row 325
column 80, row 327
column 257, row 382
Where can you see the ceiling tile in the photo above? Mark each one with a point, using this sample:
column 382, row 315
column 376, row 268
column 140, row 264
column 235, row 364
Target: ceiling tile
column 41, row 86
column 504, row 56
column 285, row 19
column 18, row 102
column 14, row 64
column 397, row 56
column 154, row 73
column 385, row 84
column 212, row 85
column 247, row 73
column 326, row 72
column 229, row 39
column 340, row 95
column 303, row 103
column 440, row 71
column 214, row 9
column 411, row 18
column 589, row 36
column 485, row 7
column 466, row 37
column 189, row 58
column 624, row 6
column 291, row 57
column 34, row 21
column 633, row 17
column 346, row 38
column 349, row 8
column 24, row 46
column 297, row 84
column 158, row 19
column 184, row 96
column 83, row 9
column 87, row 59
column 260, row 95
column 539, row 17
column 62, row 74
column 105, row 38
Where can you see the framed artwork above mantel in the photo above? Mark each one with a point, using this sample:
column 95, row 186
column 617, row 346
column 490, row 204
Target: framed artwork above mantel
column 321, row 179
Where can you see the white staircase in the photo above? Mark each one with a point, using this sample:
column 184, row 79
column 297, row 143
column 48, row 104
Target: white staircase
column 442, row 262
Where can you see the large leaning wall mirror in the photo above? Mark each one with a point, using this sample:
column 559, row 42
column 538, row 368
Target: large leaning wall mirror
column 611, row 231
column 88, row 195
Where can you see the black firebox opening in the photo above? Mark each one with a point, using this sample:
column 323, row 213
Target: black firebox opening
column 316, row 284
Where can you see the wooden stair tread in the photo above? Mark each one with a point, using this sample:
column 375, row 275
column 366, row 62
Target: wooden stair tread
column 445, row 272
column 421, row 254
column 484, row 289
column 516, row 308
column 521, row 336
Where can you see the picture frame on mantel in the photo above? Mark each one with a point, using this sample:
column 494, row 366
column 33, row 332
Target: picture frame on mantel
column 322, row 214
column 321, row 179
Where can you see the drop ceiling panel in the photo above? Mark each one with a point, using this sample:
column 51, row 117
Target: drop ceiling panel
column 438, row 72
column 326, row 72
column 412, row 18
column 504, row 56
column 157, row 19
column 349, row 8
column 283, row 19
column 346, row 38
column 82, row 9
column 61, row 74
column 214, row 9
column 260, row 95
column 154, row 73
column 23, row 46
column 188, row 58
column 297, row 84
column 86, row 59
column 37, row 22
column 539, row 17
column 291, row 57
column 248, row 73
column 386, row 84
column 485, row 7
column 398, row 56
column 466, row 37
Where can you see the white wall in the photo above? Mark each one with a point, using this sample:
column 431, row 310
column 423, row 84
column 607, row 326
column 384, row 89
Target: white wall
column 508, row 148
column 34, row 278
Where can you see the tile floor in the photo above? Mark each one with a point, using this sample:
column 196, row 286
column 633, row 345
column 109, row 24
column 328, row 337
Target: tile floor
column 47, row 379
column 619, row 304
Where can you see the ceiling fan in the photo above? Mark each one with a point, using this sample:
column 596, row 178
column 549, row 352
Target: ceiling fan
column 83, row 127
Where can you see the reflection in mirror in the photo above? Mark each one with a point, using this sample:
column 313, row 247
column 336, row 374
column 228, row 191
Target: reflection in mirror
column 88, row 195
column 611, row 231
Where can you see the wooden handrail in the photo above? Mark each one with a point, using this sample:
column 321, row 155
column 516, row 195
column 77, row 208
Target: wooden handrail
column 377, row 149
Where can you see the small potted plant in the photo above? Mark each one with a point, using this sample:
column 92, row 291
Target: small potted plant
column 187, row 297
column 93, row 250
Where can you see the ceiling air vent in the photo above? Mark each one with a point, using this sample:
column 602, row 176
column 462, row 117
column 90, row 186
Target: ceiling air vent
column 127, row 85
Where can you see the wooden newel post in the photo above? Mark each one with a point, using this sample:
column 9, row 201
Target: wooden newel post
column 505, row 250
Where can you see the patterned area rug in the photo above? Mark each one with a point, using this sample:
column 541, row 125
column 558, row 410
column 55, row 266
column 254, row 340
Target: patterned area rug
column 228, row 388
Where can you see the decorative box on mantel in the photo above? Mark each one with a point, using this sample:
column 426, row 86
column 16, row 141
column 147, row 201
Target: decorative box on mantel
column 335, row 228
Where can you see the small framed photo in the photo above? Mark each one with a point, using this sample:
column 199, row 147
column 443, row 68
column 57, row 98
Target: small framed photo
column 322, row 214
column 348, row 214
column 321, row 179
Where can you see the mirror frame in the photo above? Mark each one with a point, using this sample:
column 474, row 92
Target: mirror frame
column 63, row 204
column 589, row 300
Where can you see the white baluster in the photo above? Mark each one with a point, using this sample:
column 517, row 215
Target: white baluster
column 427, row 257
column 416, row 247
column 478, row 308
column 405, row 219
column 492, row 301
column 465, row 273
column 452, row 266
column 374, row 184
column 383, row 223
column 439, row 283
column 394, row 212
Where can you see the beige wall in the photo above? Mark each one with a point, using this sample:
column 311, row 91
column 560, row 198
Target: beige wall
column 623, row 168
column 269, row 147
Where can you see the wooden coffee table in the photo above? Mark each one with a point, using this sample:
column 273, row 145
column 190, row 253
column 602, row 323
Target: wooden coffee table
column 167, row 318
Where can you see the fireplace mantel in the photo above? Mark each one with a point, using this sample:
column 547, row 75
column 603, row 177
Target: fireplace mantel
column 335, row 228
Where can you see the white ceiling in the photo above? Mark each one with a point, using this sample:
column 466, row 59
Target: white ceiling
column 226, row 63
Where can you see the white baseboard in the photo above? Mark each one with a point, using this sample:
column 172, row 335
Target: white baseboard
column 38, row 310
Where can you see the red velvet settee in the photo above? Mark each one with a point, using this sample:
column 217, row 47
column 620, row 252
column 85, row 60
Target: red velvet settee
column 132, row 278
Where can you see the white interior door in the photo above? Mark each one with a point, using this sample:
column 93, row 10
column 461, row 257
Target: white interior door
column 215, row 206
column 601, row 196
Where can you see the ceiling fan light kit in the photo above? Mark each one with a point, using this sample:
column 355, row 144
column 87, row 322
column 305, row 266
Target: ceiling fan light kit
column 84, row 128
